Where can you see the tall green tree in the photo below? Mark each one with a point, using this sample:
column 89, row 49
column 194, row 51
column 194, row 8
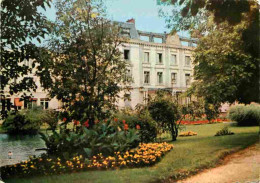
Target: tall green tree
column 226, row 58
column 85, row 70
column 166, row 111
column 21, row 23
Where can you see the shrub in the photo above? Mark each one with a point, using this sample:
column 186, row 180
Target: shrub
column 245, row 115
column 105, row 137
column 24, row 122
column 224, row 131
column 141, row 120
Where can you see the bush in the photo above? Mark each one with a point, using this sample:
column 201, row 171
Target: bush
column 105, row 137
column 142, row 120
column 24, row 122
column 224, row 131
column 245, row 115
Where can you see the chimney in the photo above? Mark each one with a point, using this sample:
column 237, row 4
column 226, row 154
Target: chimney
column 132, row 20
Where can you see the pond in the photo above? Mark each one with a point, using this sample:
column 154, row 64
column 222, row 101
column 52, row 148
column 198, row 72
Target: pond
column 21, row 146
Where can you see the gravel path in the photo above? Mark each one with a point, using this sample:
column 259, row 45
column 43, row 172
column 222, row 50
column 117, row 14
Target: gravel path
column 243, row 166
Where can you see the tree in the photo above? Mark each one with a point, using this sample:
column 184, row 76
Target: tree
column 226, row 58
column 86, row 71
column 165, row 110
column 21, row 23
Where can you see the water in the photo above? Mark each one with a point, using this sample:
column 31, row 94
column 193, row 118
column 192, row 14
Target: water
column 21, row 146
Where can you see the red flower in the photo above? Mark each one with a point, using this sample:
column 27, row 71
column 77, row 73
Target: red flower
column 115, row 119
column 126, row 127
column 64, row 119
column 76, row 122
column 123, row 121
column 86, row 124
column 138, row 127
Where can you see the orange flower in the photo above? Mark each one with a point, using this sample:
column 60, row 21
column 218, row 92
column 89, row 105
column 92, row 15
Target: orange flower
column 96, row 121
column 123, row 121
column 138, row 127
column 76, row 122
column 115, row 119
column 126, row 127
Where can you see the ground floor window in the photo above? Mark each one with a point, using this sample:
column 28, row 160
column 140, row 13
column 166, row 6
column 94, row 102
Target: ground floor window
column 30, row 103
column 18, row 103
column 45, row 103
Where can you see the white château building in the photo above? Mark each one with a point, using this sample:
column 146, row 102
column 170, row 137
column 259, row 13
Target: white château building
column 155, row 61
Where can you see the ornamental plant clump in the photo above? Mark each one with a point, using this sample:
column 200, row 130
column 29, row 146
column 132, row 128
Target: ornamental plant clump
column 189, row 133
column 143, row 155
column 224, row 131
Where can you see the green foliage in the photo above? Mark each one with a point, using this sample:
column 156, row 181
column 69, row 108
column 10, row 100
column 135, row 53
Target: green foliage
column 224, row 131
column 105, row 137
column 24, row 122
column 226, row 58
column 21, row 26
column 148, row 127
column 245, row 115
column 166, row 112
column 51, row 118
column 88, row 67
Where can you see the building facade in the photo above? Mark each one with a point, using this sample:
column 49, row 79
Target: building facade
column 154, row 61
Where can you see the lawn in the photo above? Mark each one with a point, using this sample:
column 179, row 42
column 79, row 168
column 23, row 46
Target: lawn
column 189, row 155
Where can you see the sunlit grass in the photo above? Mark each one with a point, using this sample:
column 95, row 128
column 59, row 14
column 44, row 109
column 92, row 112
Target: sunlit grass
column 188, row 155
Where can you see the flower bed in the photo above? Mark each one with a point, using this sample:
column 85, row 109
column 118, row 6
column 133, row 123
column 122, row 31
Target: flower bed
column 143, row 155
column 188, row 122
column 189, row 133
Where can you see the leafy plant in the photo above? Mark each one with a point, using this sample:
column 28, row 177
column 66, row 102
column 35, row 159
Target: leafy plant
column 105, row 137
column 245, row 115
column 224, row 131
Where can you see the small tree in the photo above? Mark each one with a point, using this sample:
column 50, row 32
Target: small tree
column 86, row 69
column 165, row 110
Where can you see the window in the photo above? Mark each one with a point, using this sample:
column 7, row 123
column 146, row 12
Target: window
column 146, row 77
column 159, row 77
column 187, row 60
column 125, row 32
column 174, row 78
column 187, row 79
column 30, row 103
column 128, row 75
column 159, row 58
column 18, row 103
column 45, row 103
column 127, row 54
column 5, row 103
column 173, row 60
column 146, row 57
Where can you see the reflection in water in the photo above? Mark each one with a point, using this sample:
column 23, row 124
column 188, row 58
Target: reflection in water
column 21, row 147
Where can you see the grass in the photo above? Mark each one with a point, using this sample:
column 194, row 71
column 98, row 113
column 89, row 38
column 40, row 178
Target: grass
column 189, row 155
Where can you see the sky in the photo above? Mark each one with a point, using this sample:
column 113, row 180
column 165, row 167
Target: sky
column 145, row 13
